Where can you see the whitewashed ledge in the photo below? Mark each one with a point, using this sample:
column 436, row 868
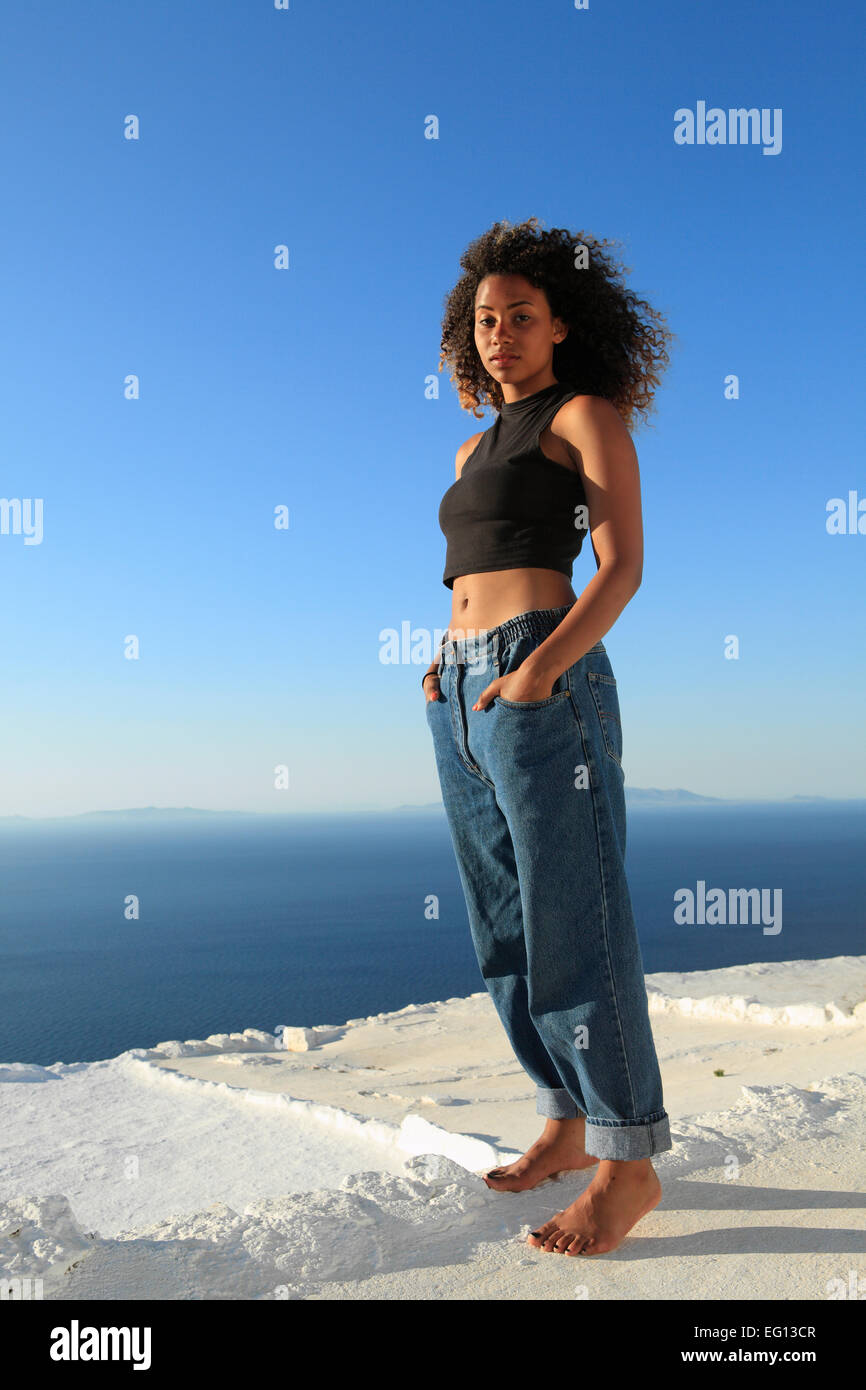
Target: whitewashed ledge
column 796, row 993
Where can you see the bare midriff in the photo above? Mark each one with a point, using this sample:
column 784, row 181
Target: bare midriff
column 482, row 601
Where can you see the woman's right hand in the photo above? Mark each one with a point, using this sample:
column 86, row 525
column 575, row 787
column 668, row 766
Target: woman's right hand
column 431, row 686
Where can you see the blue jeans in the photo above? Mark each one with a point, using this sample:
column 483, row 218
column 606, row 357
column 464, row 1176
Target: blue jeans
column 533, row 793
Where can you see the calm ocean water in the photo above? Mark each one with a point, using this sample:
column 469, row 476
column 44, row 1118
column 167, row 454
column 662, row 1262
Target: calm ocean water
column 250, row 922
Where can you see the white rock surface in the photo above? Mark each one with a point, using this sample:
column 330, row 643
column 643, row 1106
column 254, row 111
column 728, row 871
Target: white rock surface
column 237, row 1167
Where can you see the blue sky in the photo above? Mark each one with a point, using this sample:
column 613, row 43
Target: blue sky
column 305, row 387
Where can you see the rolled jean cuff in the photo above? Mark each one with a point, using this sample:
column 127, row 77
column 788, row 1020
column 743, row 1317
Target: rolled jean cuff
column 555, row 1103
column 619, row 1139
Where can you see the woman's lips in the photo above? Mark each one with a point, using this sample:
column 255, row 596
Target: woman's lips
column 504, row 359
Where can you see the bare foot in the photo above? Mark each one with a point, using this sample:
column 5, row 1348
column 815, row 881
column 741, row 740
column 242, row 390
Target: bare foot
column 621, row 1192
column 559, row 1150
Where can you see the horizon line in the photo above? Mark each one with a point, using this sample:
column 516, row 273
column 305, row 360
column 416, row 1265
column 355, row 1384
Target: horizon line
column 672, row 796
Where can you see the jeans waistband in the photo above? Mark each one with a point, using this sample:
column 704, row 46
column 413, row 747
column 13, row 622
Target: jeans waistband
column 538, row 622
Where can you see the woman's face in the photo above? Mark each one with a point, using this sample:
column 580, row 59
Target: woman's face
column 514, row 330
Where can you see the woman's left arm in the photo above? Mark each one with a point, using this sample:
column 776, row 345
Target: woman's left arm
column 611, row 481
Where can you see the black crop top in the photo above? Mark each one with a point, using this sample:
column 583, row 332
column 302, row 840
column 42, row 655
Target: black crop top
column 513, row 507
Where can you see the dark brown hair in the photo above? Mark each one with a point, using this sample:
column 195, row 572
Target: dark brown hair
column 616, row 346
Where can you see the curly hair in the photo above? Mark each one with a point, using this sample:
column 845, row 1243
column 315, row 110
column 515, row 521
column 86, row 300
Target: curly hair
column 616, row 344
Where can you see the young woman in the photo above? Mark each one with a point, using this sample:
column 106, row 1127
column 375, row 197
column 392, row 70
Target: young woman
column 522, row 704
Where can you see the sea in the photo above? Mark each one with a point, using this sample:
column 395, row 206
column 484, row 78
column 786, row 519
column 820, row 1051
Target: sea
column 122, row 930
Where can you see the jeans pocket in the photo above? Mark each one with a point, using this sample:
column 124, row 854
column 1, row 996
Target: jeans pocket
column 554, row 699
column 606, row 699
column 511, row 660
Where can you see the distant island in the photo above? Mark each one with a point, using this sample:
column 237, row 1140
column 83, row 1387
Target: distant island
column 635, row 796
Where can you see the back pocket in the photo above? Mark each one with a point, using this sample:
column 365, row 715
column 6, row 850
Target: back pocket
column 606, row 700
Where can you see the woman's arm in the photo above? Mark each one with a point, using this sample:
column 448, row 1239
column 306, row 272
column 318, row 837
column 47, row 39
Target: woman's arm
column 466, row 448
column 433, row 668
column 611, row 481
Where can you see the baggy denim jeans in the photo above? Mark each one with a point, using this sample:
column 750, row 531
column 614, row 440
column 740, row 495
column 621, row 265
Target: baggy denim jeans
column 533, row 793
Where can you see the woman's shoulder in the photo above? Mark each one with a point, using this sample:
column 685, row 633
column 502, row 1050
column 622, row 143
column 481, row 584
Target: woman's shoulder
column 584, row 401
column 466, row 448
column 593, row 412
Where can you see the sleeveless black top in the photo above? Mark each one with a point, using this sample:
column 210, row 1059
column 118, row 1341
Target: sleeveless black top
column 513, row 507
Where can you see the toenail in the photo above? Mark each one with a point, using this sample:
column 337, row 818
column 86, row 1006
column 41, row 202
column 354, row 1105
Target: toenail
column 535, row 1233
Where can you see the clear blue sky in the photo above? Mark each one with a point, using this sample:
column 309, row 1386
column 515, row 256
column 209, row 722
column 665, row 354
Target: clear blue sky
column 306, row 387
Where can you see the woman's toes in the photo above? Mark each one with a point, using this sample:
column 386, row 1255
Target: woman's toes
column 542, row 1233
